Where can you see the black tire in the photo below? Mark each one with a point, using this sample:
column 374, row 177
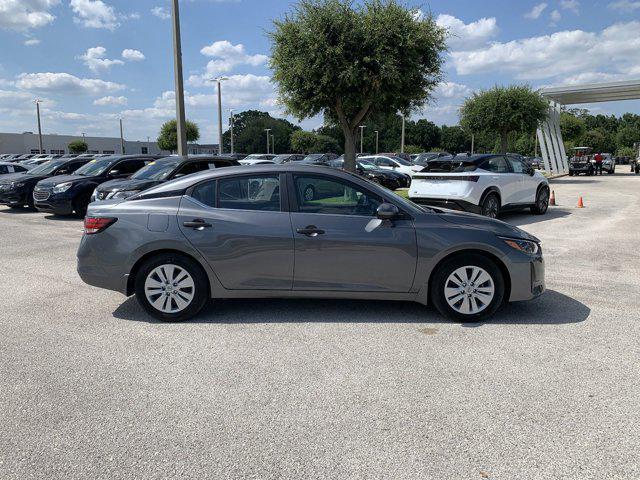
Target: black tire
column 31, row 203
column 309, row 193
column 200, row 292
column 80, row 206
column 490, row 206
column 542, row 201
column 438, row 285
column 570, row 173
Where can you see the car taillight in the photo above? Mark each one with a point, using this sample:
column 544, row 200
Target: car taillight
column 97, row 224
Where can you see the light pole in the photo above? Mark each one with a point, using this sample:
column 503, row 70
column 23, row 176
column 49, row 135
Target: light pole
column 37, row 102
column 268, row 130
column 121, row 139
column 273, row 144
column 219, row 81
column 231, row 127
column 177, row 62
column 362, row 127
column 377, row 137
column 402, row 137
column 473, row 143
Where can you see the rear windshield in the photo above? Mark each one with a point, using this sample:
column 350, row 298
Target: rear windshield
column 449, row 166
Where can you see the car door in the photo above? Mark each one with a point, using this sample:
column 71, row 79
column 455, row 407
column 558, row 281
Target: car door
column 340, row 244
column 240, row 224
column 525, row 186
column 502, row 177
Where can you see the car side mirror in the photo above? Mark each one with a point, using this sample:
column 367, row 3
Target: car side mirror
column 114, row 173
column 387, row 211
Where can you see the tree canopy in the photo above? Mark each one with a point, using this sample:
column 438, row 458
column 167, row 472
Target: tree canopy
column 249, row 135
column 348, row 61
column 168, row 138
column 503, row 110
column 78, row 146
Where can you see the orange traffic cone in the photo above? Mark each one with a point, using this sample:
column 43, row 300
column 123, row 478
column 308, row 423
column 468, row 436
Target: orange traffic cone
column 552, row 200
column 580, row 203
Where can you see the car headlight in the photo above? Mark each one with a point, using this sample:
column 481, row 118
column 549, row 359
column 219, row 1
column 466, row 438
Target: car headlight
column 62, row 187
column 524, row 246
column 122, row 194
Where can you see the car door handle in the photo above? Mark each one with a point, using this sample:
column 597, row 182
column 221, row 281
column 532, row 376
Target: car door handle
column 310, row 231
column 197, row 224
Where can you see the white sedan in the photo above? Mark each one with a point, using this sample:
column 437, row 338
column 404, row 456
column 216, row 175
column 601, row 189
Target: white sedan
column 388, row 162
column 485, row 184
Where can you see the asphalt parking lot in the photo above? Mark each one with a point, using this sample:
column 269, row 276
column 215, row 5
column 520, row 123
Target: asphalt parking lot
column 92, row 387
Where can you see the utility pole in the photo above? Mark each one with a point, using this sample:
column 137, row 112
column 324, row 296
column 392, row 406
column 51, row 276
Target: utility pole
column 268, row 130
column 402, row 137
column 177, row 62
column 231, row 128
column 362, row 127
column 377, row 143
column 273, row 144
column 473, row 141
column 219, row 81
column 37, row 102
column 121, row 139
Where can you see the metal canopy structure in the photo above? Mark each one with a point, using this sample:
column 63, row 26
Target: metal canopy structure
column 549, row 135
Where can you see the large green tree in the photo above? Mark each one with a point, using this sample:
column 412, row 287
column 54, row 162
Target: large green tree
column 503, row 110
column 168, row 138
column 78, row 146
column 348, row 60
column 249, row 135
column 455, row 140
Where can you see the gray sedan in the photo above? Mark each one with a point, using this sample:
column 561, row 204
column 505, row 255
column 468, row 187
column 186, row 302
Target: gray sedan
column 253, row 232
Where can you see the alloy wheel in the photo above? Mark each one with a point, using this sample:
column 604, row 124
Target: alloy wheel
column 469, row 290
column 490, row 207
column 169, row 288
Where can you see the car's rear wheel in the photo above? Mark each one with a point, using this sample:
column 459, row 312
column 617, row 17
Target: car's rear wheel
column 468, row 288
column 171, row 287
column 490, row 206
column 542, row 201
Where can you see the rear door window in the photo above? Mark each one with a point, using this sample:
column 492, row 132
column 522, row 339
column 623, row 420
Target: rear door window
column 255, row 192
column 205, row 193
column 495, row 164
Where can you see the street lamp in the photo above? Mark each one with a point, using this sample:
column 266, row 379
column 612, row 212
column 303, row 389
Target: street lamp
column 177, row 62
column 362, row 127
column 402, row 137
column 38, row 102
column 121, row 139
column 219, row 81
column 268, row 130
column 273, row 144
column 231, row 127
column 377, row 137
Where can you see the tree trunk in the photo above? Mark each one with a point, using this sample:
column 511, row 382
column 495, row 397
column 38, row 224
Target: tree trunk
column 504, row 143
column 349, row 150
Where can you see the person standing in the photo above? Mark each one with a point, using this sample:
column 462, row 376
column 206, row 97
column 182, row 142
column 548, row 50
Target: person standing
column 598, row 158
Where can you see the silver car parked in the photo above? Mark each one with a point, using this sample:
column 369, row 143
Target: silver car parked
column 252, row 232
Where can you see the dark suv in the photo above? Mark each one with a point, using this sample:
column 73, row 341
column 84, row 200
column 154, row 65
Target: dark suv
column 69, row 194
column 157, row 172
column 17, row 190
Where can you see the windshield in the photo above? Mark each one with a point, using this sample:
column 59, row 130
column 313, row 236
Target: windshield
column 366, row 165
column 449, row 166
column 402, row 161
column 281, row 158
column 95, row 167
column 46, row 168
column 156, row 170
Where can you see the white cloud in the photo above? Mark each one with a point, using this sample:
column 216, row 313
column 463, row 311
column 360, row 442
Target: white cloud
column 31, row 42
column 536, row 11
column 555, row 17
column 467, row 35
column 451, row 90
column 562, row 53
column 625, row 5
column 23, row 15
column 226, row 56
column 161, row 12
column 132, row 55
column 573, row 5
column 65, row 83
column 94, row 58
column 242, row 90
column 110, row 100
column 94, row 14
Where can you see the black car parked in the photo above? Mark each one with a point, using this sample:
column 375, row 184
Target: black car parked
column 17, row 190
column 387, row 178
column 69, row 194
column 159, row 171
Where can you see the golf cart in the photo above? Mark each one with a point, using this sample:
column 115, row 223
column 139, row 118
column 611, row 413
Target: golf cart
column 581, row 162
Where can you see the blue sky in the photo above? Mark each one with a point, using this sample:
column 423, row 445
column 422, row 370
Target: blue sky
column 93, row 61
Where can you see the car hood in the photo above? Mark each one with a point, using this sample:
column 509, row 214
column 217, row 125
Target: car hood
column 53, row 181
column 479, row 222
column 127, row 185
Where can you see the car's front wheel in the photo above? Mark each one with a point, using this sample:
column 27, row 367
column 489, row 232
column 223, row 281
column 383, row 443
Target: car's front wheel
column 490, row 206
column 171, row 287
column 542, row 202
column 468, row 288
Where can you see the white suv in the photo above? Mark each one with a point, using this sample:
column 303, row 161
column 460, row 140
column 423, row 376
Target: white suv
column 387, row 162
column 485, row 184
